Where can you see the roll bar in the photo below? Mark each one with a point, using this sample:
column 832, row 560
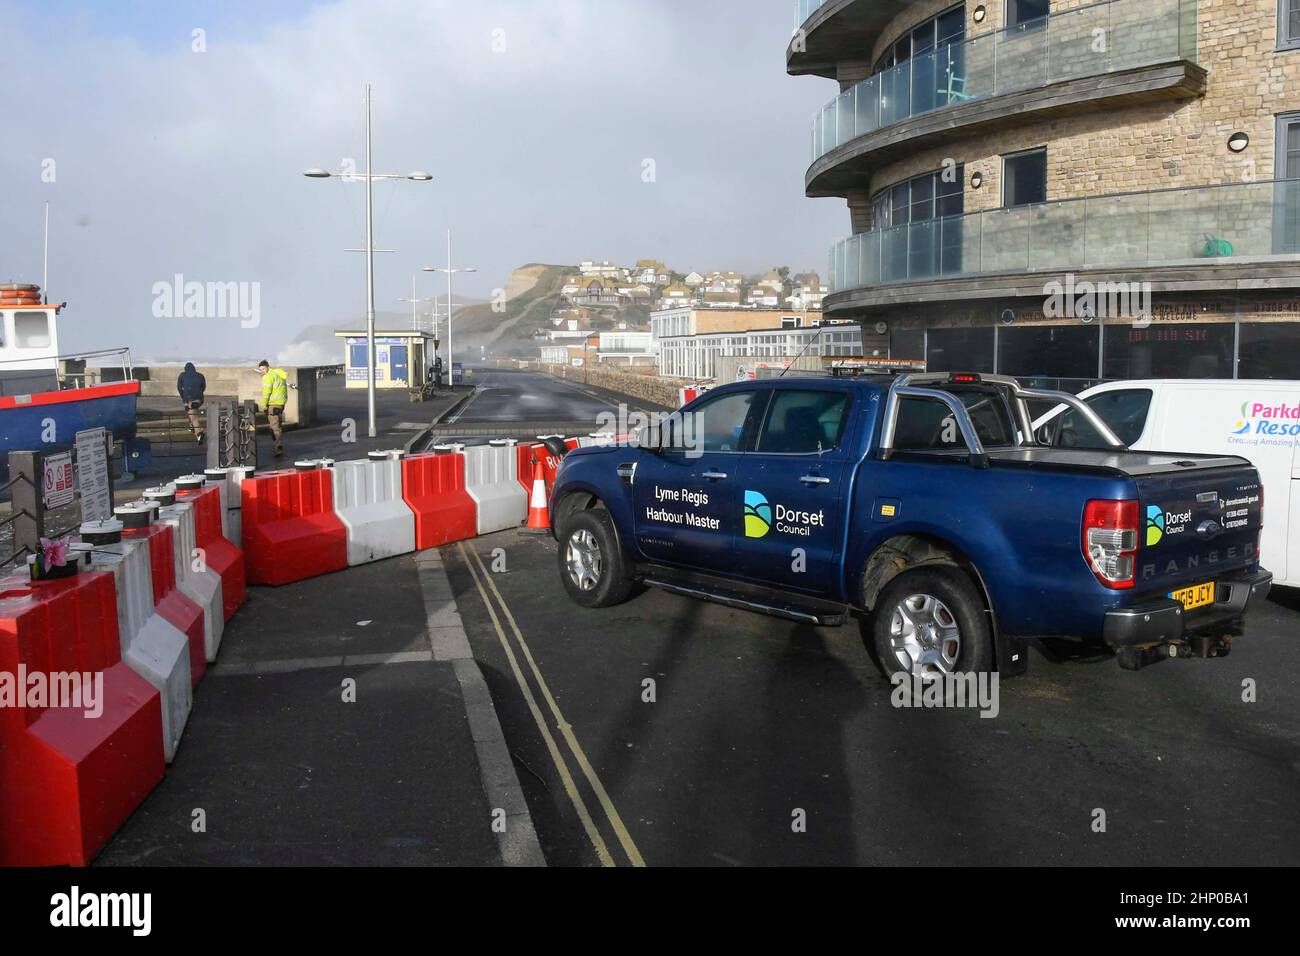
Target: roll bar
column 913, row 385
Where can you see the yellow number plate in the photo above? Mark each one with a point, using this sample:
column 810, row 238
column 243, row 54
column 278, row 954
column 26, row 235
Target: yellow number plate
column 1198, row 595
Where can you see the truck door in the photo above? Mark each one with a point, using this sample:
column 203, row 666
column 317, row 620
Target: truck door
column 793, row 491
column 686, row 498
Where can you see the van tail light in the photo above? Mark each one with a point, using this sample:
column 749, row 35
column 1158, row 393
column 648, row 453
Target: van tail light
column 1110, row 541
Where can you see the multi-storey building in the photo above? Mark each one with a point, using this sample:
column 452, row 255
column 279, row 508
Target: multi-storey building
column 1065, row 189
column 690, row 341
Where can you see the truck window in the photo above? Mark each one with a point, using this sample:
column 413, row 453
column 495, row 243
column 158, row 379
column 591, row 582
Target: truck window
column 722, row 421
column 926, row 424
column 1124, row 410
column 803, row 422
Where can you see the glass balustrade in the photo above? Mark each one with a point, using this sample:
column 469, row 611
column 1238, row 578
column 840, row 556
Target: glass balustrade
column 803, row 9
column 1086, row 41
column 1232, row 221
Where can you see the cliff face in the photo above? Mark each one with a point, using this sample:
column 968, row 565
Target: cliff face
column 530, row 293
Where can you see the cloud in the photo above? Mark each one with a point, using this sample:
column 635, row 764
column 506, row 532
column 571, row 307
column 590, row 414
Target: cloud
column 170, row 161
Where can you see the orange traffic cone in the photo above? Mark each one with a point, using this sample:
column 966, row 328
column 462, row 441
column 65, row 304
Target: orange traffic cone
column 539, row 516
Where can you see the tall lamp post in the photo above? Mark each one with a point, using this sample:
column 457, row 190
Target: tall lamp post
column 415, row 304
column 369, row 176
column 451, row 357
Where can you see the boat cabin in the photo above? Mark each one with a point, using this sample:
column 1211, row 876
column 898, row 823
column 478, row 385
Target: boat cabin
column 29, row 341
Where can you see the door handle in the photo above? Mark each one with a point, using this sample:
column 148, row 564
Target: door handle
column 715, row 475
column 815, row 480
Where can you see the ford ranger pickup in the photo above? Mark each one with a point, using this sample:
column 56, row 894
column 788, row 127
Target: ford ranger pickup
column 923, row 506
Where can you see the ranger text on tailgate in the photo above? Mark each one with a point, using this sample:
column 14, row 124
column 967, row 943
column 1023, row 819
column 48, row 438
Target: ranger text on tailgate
column 923, row 505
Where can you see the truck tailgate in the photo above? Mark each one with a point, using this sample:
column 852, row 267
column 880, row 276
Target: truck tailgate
column 1198, row 523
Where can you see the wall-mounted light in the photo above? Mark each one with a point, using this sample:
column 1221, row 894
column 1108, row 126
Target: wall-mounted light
column 976, row 180
column 979, row 14
column 1238, row 141
column 882, row 328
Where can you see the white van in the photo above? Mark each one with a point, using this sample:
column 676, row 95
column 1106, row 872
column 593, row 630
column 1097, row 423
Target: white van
column 1258, row 419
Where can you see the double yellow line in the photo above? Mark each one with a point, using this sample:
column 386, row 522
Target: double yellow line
column 481, row 577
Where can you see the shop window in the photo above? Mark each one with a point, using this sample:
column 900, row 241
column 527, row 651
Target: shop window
column 1024, row 178
column 907, row 344
column 1049, row 352
column 1183, row 351
column 960, row 350
column 1269, row 350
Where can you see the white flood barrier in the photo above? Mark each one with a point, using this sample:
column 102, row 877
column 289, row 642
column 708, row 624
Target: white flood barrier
column 194, row 578
column 492, row 480
column 368, row 500
column 151, row 646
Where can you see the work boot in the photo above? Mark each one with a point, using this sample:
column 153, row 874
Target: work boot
column 199, row 438
column 279, row 451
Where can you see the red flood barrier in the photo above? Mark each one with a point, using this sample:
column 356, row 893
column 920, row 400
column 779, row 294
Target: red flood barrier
column 290, row 530
column 69, row 775
column 169, row 601
column 220, row 555
column 433, row 486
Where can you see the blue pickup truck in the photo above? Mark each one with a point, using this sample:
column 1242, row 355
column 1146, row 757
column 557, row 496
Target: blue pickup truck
column 922, row 505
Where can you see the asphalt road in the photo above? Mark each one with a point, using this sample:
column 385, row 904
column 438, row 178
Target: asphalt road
column 754, row 719
column 503, row 397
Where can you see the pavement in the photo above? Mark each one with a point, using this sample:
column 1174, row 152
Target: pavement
column 345, row 721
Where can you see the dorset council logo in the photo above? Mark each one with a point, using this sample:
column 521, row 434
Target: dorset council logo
column 1155, row 524
column 758, row 515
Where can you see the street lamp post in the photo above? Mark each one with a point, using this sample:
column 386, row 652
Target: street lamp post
column 451, row 356
column 370, row 177
column 415, row 304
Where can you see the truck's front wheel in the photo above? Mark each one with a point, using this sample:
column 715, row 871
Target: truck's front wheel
column 930, row 622
column 591, row 563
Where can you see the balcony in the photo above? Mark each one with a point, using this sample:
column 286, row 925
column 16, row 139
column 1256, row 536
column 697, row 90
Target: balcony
column 829, row 31
column 1205, row 237
column 1078, row 59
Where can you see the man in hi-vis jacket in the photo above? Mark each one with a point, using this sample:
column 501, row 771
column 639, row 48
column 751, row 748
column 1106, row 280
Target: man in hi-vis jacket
column 275, row 395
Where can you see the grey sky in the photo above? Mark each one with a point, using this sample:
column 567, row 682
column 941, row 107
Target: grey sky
column 170, row 161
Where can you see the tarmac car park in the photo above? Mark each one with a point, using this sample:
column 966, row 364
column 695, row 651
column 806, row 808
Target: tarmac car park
column 902, row 501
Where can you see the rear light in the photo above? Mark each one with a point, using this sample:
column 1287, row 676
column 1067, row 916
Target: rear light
column 1110, row 541
column 964, row 378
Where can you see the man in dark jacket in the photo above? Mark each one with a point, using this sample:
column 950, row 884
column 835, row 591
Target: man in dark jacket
column 191, row 385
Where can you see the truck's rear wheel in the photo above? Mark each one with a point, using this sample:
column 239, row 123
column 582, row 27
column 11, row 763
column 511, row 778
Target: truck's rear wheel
column 592, row 567
column 930, row 622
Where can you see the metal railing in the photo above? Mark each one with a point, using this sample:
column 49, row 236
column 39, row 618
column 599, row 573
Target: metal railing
column 1102, row 38
column 70, row 369
column 1187, row 225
